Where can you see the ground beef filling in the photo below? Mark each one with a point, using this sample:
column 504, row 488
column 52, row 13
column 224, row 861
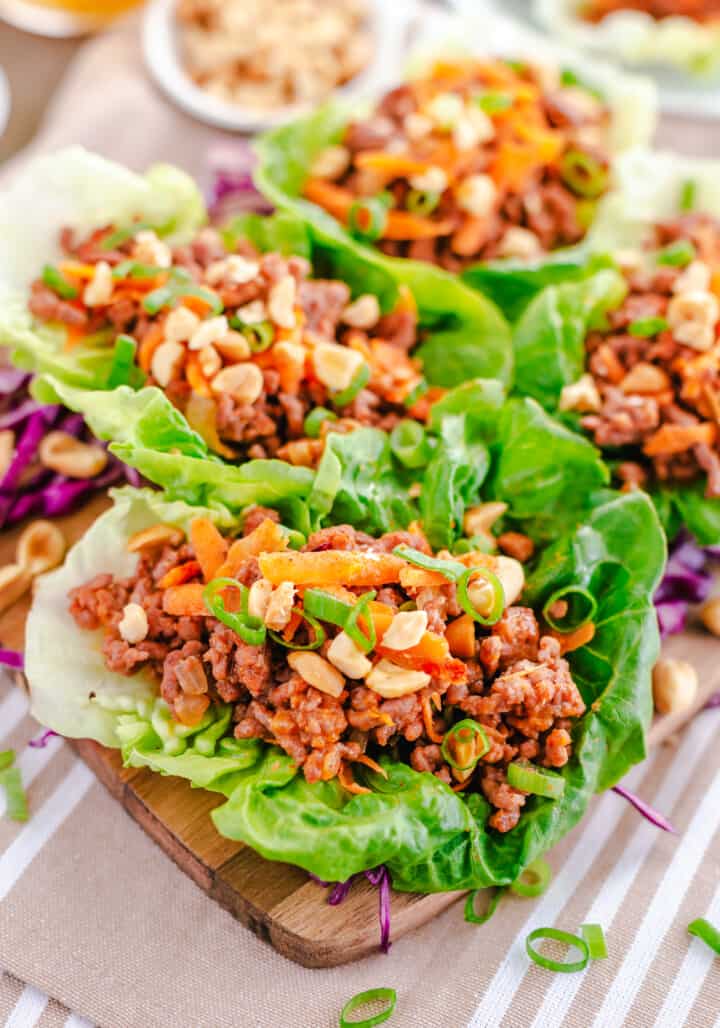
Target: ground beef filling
column 516, row 683
column 657, row 398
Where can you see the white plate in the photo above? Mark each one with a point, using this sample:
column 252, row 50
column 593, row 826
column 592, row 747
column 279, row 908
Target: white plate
column 390, row 23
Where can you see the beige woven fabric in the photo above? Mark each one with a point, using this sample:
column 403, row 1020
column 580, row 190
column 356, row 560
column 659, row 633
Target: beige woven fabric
column 92, row 913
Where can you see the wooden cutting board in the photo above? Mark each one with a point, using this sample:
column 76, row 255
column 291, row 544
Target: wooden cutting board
column 278, row 901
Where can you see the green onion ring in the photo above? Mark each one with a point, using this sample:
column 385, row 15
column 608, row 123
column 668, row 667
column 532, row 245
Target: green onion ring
column 374, row 209
column 467, row 604
column 471, row 917
column 359, row 381
column 316, row 418
column 450, row 569
column 416, row 392
column 352, row 628
column 260, row 335
column 158, row 298
column 250, row 629
column 134, row 269
column 557, row 965
column 644, row 327
column 122, row 235
column 582, row 607
column 371, row 996
column 535, row 885
column 422, row 201
column 688, row 195
column 585, row 175
column 493, row 101
column 709, row 934
column 532, row 780
column 595, row 939
column 55, row 280
column 676, row 255
column 329, row 608
column 409, row 443
column 472, row 728
column 319, row 633
column 123, row 361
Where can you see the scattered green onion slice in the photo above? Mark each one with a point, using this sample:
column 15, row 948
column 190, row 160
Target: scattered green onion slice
column 532, row 780
column 519, row 67
column 422, row 201
column 465, row 733
column 451, row 569
column 470, row 905
column 492, row 101
column 250, row 629
column 329, row 608
column 676, row 255
column 122, row 235
column 581, row 608
column 7, row 759
column 134, row 269
column 645, row 327
column 416, row 392
column 585, row 211
column 315, row 420
column 594, row 936
column 318, row 633
column 585, row 175
column 179, row 284
column 55, row 280
column 367, row 217
column 352, row 628
column 409, row 443
column 534, row 880
column 295, row 540
column 688, row 195
column 569, row 78
column 158, row 298
column 346, row 396
column 123, row 362
column 11, row 782
column 558, row 936
column 707, row 932
column 388, row 996
column 463, row 596
column 212, row 299
column 259, row 334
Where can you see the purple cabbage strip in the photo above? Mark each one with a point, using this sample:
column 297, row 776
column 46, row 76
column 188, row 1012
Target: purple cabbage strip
column 713, row 702
column 232, row 190
column 12, row 659
column 41, row 742
column 687, row 580
column 25, row 449
column 379, row 876
column 645, row 809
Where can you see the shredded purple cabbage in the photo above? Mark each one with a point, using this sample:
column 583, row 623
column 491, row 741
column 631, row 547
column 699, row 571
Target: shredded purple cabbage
column 27, row 488
column 232, row 190
column 645, row 809
column 687, row 580
column 42, row 740
column 713, row 702
column 379, row 876
column 12, row 659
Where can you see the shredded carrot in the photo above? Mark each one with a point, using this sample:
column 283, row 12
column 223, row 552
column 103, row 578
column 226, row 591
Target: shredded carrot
column 181, row 573
column 419, row 578
column 77, row 270
column 334, row 567
column 671, row 439
column 337, row 200
column 153, row 338
column 74, row 336
column 209, row 546
column 347, row 781
column 460, row 635
column 570, row 641
column 266, row 538
column 185, row 600
column 428, row 721
column 196, row 304
column 292, row 626
column 614, row 370
column 372, row 764
column 459, row 786
column 290, row 365
column 195, row 375
column 391, row 165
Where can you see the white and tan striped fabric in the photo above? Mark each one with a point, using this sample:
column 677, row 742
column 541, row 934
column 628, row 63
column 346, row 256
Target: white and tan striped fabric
column 93, row 915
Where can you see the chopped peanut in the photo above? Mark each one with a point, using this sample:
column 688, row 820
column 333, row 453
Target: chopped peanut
column 317, row 672
column 391, row 681
column 40, row 547
column 133, row 626
column 68, row 456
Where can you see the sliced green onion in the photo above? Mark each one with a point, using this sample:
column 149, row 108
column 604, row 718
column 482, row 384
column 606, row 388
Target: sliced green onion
column 416, row 392
column 534, row 880
column 179, row 284
column 422, row 201
column 211, row 299
column 319, row 634
column 315, row 420
column 581, row 608
column 676, row 255
column 585, row 175
column 475, row 544
column 519, row 67
column 585, row 211
column 594, row 936
column 295, row 540
column 707, row 932
column 465, row 733
column 688, row 195
column 450, row 569
column 463, row 596
column 352, row 628
column 409, row 443
column 557, row 936
column 250, row 629
column 493, row 101
column 388, row 996
column 259, row 334
column 123, row 361
column 645, row 327
column 569, row 78
column 346, row 396
column 367, row 217
column 330, row 609
column 122, row 235
column 11, row 782
column 471, row 905
column 134, row 269
column 55, row 280
column 7, row 759
column 532, row 780
column 158, row 298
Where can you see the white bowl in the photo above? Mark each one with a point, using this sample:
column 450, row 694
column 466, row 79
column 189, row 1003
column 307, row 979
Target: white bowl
column 391, row 22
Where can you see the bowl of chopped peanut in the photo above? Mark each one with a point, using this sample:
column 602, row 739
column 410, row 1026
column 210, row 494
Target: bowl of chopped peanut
column 244, row 65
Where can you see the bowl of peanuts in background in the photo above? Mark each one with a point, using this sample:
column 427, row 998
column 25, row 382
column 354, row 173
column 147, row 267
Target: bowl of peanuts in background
column 245, row 65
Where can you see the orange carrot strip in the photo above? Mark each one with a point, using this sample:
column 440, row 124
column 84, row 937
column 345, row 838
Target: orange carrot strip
column 185, row 600
column 153, row 337
column 196, row 377
column 460, row 635
column 196, row 304
column 672, row 439
column 392, row 165
column 428, row 721
column 74, row 335
column 399, row 225
column 574, row 640
column 266, row 538
column 336, row 200
column 372, row 764
column 209, row 546
column 331, row 567
column 614, row 370
column 182, row 573
column 76, row 269
column 348, row 782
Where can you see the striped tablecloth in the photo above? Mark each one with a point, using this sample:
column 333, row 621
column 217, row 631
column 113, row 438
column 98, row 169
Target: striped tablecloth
column 96, row 917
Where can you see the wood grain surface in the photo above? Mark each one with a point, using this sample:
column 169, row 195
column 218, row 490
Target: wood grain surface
column 278, row 901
